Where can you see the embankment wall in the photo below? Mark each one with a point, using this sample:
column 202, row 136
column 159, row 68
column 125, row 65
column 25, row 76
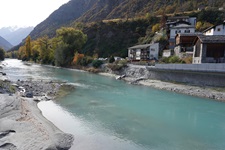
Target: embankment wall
column 172, row 73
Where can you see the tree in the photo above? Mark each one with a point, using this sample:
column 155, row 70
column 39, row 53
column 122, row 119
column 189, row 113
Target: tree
column 97, row 63
column 2, row 54
column 45, row 50
column 22, row 53
column 111, row 59
column 28, row 47
column 155, row 28
column 68, row 40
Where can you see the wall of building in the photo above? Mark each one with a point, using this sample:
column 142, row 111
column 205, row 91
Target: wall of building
column 192, row 20
column 174, row 31
column 218, row 30
column 154, row 51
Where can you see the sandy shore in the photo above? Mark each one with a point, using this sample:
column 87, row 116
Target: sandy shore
column 204, row 92
column 22, row 126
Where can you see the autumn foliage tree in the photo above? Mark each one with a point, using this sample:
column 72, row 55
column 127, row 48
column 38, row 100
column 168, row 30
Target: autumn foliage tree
column 28, row 47
column 69, row 41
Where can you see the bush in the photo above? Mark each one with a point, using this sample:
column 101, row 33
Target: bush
column 115, row 67
column 97, row 63
column 123, row 62
column 111, row 59
column 172, row 60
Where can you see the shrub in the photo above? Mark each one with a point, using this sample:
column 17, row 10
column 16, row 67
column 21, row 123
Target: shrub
column 97, row 63
column 188, row 60
column 111, row 59
column 123, row 62
column 115, row 67
column 174, row 59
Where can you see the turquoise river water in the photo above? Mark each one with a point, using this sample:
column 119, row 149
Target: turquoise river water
column 106, row 114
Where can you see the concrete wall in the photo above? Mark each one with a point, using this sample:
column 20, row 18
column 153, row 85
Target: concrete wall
column 206, row 67
column 206, row 75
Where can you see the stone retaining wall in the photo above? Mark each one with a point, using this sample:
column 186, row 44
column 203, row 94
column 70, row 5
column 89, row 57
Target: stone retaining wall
column 189, row 76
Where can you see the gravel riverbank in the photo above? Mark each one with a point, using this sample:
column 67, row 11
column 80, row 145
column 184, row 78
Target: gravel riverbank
column 22, row 126
column 205, row 92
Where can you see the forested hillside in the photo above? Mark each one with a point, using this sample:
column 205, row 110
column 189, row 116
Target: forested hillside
column 97, row 10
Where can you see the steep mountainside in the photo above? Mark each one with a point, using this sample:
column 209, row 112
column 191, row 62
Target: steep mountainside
column 62, row 17
column 97, row 10
column 5, row 44
column 15, row 35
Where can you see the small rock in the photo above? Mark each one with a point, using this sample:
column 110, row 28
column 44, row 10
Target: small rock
column 29, row 94
column 37, row 100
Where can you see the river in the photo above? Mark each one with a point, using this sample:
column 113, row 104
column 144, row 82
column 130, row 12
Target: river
column 107, row 114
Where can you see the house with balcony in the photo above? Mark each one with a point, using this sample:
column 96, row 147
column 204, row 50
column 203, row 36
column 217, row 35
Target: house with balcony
column 143, row 52
column 180, row 24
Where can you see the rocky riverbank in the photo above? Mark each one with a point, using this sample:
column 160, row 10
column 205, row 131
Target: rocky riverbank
column 22, row 126
column 213, row 93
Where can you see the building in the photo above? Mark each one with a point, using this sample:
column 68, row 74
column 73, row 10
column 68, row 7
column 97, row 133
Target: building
column 215, row 30
column 174, row 21
column 184, row 43
column 209, row 49
column 182, row 28
column 144, row 52
column 181, row 24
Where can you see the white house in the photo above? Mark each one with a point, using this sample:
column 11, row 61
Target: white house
column 144, row 52
column 215, row 30
column 182, row 28
column 179, row 24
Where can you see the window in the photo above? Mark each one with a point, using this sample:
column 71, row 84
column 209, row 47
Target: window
column 187, row 31
column 175, row 32
column 218, row 29
column 152, row 49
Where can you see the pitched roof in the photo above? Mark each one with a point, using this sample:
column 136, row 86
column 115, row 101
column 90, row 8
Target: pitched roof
column 140, row 46
column 183, row 26
column 189, row 34
column 211, row 38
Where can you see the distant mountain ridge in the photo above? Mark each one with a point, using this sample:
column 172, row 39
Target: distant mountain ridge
column 15, row 35
column 5, row 44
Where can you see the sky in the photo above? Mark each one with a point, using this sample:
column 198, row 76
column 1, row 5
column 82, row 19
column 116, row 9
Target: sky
column 24, row 13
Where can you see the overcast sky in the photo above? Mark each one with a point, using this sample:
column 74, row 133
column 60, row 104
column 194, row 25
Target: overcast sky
column 26, row 12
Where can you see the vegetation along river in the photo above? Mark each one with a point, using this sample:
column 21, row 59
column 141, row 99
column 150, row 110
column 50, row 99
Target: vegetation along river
column 106, row 114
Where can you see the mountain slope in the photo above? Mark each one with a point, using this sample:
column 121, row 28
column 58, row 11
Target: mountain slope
column 15, row 35
column 5, row 44
column 61, row 17
column 97, row 10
